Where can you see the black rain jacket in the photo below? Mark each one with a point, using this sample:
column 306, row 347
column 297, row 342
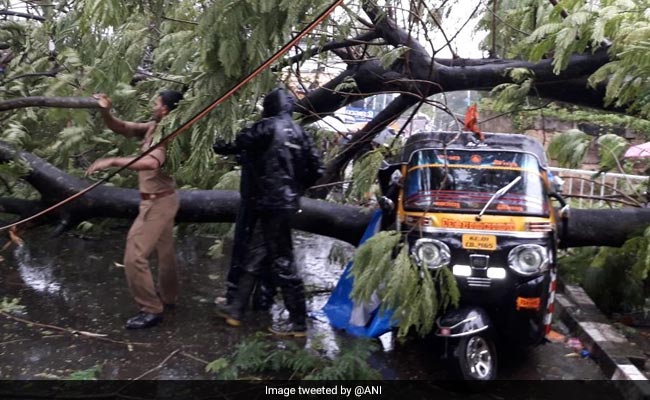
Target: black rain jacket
column 268, row 180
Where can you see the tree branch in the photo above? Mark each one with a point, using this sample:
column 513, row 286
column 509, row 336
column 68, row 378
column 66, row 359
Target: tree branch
column 22, row 15
column 179, row 20
column 43, row 101
column 90, row 335
column 51, row 73
column 333, row 45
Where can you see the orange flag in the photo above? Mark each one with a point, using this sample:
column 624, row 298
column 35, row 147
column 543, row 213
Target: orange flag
column 471, row 122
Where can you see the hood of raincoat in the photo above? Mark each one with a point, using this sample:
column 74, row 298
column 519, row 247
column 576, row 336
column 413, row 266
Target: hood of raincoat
column 277, row 102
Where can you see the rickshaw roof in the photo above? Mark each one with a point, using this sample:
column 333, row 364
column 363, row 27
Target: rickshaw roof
column 468, row 141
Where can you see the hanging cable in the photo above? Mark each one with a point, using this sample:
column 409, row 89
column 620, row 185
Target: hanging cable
column 192, row 120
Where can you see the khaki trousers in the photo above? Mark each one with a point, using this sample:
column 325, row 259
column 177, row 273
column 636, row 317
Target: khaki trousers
column 153, row 229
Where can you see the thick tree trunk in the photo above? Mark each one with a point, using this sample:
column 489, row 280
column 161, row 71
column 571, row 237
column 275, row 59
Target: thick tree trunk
column 605, row 227
column 585, row 227
column 339, row 221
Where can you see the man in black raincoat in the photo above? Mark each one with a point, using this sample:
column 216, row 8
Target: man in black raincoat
column 270, row 189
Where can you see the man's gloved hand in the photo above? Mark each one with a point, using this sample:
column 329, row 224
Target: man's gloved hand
column 222, row 147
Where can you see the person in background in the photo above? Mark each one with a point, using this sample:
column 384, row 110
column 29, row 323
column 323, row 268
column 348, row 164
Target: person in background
column 153, row 227
column 264, row 289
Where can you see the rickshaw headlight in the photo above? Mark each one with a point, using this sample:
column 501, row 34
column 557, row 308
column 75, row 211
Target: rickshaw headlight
column 431, row 253
column 528, row 259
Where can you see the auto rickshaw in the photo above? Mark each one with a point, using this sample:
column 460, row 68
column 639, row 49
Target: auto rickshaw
column 482, row 209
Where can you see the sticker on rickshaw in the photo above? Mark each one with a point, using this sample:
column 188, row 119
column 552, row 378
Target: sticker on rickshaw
column 500, row 163
column 477, row 225
column 508, row 207
column 447, row 204
column 480, row 242
column 528, row 303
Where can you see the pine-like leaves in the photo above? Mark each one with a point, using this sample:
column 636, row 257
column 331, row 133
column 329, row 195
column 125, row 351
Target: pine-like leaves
column 372, row 263
column 610, row 149
column 364, row 173
column 383, row 266
column 262, row 356
column 570, row 147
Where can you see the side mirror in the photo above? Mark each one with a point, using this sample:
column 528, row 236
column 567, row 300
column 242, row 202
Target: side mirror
column 565, row 211
column 396, row 177
column 386, row 204
column 566, row 208
column 558, row 183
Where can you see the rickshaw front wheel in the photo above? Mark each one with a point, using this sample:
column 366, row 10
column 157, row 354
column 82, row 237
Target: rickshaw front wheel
column 475, row 357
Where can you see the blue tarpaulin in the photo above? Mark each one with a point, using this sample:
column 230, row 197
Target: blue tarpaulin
column 340, row 307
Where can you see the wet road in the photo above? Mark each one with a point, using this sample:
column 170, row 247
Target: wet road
column 78, row 284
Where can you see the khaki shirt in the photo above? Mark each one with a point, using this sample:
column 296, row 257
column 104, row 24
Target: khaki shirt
column 155, row 180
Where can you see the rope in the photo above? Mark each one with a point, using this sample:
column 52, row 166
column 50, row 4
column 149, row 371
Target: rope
column 192, row 120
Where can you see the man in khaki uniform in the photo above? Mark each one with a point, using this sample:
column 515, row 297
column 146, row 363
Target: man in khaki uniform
column 153, row 227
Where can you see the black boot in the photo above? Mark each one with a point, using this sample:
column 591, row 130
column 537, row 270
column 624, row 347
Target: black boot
column 264, row 293
column 297, row 307
column 233, row 312
column 293, row 295
column 143, row 320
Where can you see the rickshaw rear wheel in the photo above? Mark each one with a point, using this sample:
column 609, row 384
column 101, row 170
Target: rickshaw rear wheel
column 475, row 357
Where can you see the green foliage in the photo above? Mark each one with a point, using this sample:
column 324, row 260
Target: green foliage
column 338, row 255
column 619, row 22
column 388, row 58
column 383, row 266
column 616, row 278
column 229, row 180
column 627, row 74
column 535, row 29
column 90, row 374
column 610, row 149
column 569, row 148
column 257, row 355
column 85, row 226
column 520, row 17
column 216, row 250
column 101, row 45
column 15, row 133
column 13, row 170
column 372, row 263
column 573, row 263
column 11, row 305
column 450, row 296
column 364, row 174
column 509, row 96
column 347, row 85
column 564, row 112
column 350, row 364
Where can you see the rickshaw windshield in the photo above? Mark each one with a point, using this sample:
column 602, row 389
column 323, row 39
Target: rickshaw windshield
column 464, row 181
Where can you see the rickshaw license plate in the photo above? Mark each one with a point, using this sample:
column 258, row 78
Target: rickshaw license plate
column 480, row 242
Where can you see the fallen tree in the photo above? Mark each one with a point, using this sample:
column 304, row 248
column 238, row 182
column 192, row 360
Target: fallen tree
column 585, row 227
